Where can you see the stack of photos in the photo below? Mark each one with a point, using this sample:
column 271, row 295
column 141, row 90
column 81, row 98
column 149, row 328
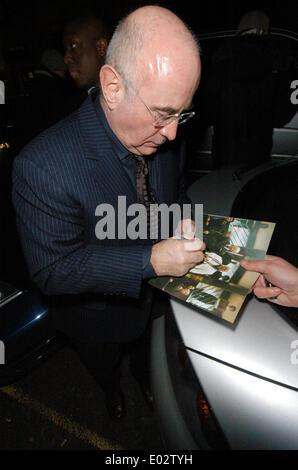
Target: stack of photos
column 219, row 285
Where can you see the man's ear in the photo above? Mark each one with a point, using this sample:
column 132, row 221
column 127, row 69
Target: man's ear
column 112, row 86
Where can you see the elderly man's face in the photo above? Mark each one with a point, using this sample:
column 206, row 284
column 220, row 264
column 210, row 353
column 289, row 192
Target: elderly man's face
column 82, row 57
column 164, row 93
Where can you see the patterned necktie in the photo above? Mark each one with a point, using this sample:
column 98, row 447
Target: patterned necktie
column 146, row 197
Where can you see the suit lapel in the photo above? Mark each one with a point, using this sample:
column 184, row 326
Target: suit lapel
column 105, row 166
column 107, row 170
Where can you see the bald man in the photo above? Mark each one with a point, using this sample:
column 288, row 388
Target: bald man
column 98, row 285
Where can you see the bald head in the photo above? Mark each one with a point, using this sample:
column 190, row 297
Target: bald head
column 151, row 41
column 151, row 73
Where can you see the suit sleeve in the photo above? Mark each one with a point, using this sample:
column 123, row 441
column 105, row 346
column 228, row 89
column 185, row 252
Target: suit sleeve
column 50, row 225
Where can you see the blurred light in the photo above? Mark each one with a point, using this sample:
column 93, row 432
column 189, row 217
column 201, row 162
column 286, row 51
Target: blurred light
column 211, row 430
column 4, row 145
column 202, row 406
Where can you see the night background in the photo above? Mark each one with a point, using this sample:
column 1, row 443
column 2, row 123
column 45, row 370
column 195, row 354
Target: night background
column 26, row 30
column 32, row 25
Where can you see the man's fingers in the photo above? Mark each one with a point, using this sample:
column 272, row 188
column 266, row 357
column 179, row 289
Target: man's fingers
column 194, row 245
column 260, row 282
column 267, row 292
column 195, row 257
column 270, row 258
column 258, row 266
column 186, row 229
column 188, row 235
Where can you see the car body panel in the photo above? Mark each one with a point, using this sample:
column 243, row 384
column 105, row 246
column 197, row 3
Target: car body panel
column 26, row 333
column 260, row 343
column 253, row 414
column 241, row 367
column 170, row 418
column 218, row 190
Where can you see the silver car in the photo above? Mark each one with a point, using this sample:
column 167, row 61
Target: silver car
column 222, row 387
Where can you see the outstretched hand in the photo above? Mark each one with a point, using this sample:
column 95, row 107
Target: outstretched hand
column 282, row 275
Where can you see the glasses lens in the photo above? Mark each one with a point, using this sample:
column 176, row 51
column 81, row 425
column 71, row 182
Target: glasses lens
column 163, row 121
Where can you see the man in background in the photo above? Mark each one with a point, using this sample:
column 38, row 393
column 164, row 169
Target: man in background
column 85, row 42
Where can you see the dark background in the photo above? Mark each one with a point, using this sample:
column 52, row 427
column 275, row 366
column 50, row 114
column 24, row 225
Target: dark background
column 33, row 25
column 26, row 28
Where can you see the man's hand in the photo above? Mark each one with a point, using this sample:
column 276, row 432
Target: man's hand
column 281, row 274
column 174, row 257
column 186, row 228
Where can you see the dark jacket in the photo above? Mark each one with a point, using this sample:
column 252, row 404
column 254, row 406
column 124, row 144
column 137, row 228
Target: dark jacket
column 95, row 286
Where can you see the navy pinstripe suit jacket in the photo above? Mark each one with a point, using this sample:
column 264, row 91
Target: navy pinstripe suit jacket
column 95, row 286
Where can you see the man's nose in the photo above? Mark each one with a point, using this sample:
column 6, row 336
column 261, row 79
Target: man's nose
column 67, row 57
column 170, row 130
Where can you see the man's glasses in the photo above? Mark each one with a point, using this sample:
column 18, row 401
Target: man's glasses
column 165, row 120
